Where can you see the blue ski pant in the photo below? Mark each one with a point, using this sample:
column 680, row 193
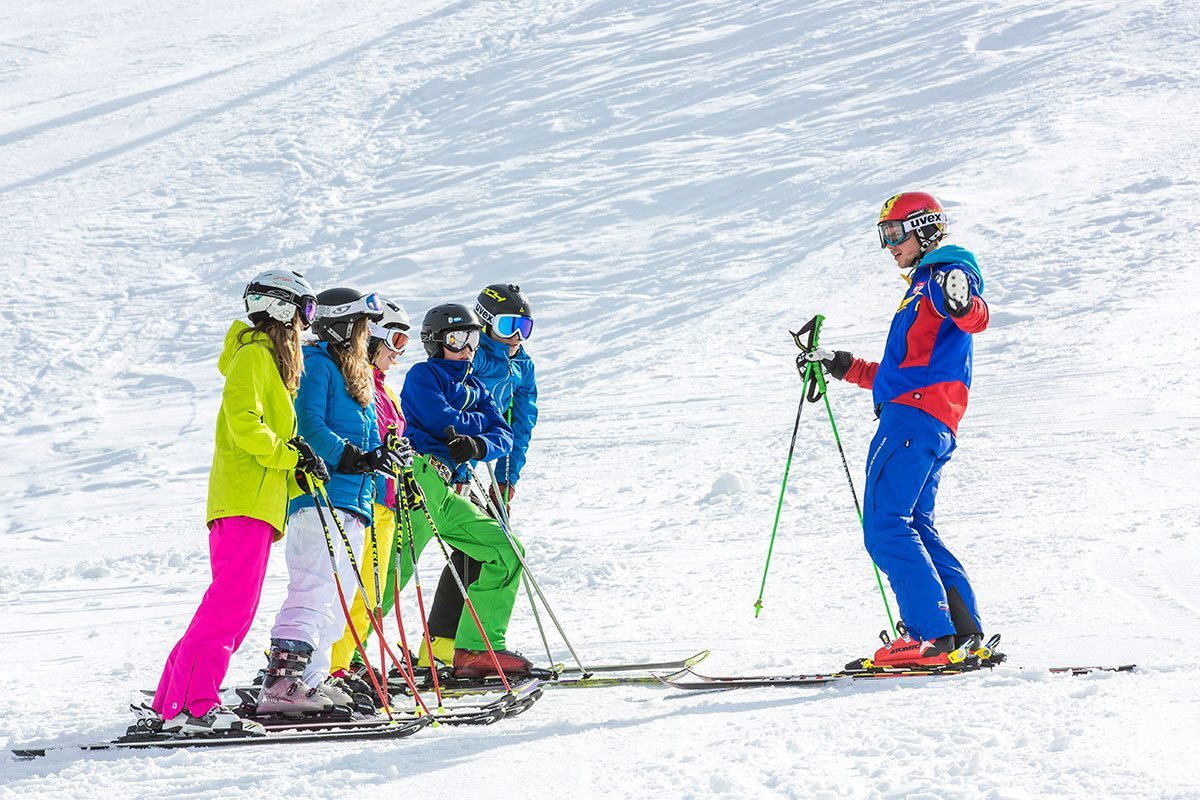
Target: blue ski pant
column 903, row 470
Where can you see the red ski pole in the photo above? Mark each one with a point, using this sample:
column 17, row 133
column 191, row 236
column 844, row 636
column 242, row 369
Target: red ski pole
column 419, row 501
column 337, row 580
column 400, row 533
column 374, row 622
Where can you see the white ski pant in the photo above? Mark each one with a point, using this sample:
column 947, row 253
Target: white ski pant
column 312, row 612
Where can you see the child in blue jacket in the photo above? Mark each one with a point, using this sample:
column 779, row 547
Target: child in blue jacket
column 507, row 372
column 452, row 421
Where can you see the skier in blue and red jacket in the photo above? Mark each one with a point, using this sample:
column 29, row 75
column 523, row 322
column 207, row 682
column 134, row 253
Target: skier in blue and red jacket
column 920, row 390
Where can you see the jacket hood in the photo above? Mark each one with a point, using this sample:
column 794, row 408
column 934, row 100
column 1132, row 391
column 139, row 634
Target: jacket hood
column 234, row 342
column 952, row 254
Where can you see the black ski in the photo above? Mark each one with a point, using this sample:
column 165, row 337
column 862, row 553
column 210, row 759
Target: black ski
column 1086, row 670
column 561, row 677
column 696, row 681
column 145, row 738
column 341, row 718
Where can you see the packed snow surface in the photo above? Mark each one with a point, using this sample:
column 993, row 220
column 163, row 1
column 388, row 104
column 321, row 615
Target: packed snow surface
column 676, row 183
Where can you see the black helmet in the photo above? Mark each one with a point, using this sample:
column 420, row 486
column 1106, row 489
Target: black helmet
column 502, row 298
column 446, row 317
column 338, row 309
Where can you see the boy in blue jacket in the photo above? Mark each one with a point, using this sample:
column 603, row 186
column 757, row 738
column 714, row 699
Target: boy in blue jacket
column 506, row 370
column 452, row 421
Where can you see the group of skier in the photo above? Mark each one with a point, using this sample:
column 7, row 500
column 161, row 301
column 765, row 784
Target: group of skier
column 310, row 439
column 300, row 423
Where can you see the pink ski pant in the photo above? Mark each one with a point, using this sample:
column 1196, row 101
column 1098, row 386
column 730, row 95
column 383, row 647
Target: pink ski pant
column 238, row 548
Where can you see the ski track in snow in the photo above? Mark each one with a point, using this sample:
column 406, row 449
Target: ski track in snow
column 676, row 184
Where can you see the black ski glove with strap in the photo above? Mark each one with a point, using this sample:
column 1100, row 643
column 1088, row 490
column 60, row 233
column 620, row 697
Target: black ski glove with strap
column 356, row 462
column 836, row 362
column 309, row 462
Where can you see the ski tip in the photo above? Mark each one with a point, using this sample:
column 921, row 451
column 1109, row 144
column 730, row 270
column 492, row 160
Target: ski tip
column 696, row 659
column 1084, row 670
column 28, row 753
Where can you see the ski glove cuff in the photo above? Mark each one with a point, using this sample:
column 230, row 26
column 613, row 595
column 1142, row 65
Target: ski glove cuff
column 836, row 362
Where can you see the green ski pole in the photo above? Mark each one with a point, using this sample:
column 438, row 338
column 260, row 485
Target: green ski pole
column 853, row 493
column 813, row 329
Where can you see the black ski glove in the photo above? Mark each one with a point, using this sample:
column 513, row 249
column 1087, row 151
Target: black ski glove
column 465, row 448
column 309, row 462
column 377, row 459
column 352, row 461
column 836, row 362
column 956, row 291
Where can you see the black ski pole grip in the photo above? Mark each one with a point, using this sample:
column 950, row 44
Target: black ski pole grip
column 814, row 386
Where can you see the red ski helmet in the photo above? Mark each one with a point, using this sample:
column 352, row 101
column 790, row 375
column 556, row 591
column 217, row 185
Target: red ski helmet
column 915, row 213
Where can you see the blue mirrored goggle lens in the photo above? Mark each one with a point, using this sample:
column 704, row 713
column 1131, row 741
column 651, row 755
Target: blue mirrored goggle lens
column 308, row 309
column 507, row 325
column 892, row 233
column 373, row 302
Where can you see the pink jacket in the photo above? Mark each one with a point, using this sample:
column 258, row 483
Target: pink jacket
column 387, row 413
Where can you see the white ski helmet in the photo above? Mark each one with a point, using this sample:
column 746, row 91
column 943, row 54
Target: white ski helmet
column 395, row 322
column 278, row 294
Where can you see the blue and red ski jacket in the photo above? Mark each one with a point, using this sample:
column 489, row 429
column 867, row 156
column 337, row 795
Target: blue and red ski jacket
column 927, row 360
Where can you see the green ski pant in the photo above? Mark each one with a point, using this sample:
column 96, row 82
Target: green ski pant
column 464, row 527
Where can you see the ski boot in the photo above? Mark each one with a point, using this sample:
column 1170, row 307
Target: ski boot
column 283, row 690
column 337, row 691
column 907, row 652
column 216, row 722
column 479, row 664
column 443, row 651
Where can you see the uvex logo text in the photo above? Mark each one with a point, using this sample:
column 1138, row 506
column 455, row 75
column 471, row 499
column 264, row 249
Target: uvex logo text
column 935, row 218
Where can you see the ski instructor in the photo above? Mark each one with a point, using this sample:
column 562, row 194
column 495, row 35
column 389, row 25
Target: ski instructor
column 920, row 390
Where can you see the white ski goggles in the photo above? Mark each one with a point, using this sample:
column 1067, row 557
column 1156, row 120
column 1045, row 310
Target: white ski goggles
column 369, row 305
column 457, row 341
column 894, row 231
column 395, row 338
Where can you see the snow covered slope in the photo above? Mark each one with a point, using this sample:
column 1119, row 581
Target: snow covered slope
column 676, row 184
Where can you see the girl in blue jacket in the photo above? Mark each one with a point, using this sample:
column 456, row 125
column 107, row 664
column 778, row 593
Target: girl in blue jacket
column 336, row 416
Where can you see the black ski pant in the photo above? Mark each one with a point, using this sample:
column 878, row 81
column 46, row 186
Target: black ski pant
column 447, row 600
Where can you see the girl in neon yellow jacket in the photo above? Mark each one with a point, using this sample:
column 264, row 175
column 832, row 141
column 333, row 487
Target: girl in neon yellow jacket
column 251, row 481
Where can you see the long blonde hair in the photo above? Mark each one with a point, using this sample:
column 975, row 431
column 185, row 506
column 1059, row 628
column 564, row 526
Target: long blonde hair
column 355, row 367
column 285, row 338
